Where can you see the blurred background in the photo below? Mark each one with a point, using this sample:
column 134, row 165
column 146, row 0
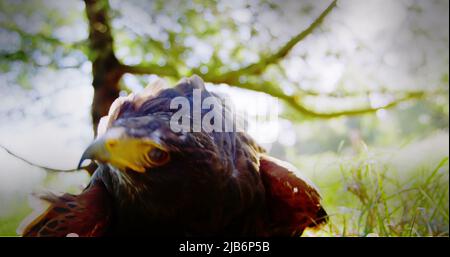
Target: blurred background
column 360, row 89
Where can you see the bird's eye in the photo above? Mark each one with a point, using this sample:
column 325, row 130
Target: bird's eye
column 158, row 156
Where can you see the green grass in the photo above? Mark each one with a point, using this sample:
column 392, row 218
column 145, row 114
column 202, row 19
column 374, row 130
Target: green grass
column 366, row 196
column 370, row 202
column 9, row 224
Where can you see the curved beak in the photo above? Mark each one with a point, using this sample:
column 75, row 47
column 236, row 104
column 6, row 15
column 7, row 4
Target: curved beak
column 100, row 149
column 122, row 151
column 95, row 151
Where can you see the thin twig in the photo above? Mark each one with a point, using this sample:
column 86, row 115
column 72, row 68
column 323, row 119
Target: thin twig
column 37, row 165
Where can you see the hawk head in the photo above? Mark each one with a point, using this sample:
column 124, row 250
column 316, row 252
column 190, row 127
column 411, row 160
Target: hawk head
column 142, row 159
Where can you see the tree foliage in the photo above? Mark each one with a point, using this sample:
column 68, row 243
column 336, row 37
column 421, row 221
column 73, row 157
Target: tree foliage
column 230, row 43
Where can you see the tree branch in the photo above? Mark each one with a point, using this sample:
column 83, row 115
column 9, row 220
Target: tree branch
column 365, row 93
column 258, row 67
column 295, row 102
column 100, row 35
column 233, row 76
column 37, row 165
column 150, row 69
column 105, row 66
column 292, row 101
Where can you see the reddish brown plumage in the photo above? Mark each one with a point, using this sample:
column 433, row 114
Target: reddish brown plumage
column 293, row 202
column 87, row 214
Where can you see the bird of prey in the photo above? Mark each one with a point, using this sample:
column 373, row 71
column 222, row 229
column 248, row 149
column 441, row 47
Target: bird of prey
column 154, row 181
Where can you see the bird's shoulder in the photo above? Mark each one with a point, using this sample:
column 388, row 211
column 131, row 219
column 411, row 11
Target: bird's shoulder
column 86, row 214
